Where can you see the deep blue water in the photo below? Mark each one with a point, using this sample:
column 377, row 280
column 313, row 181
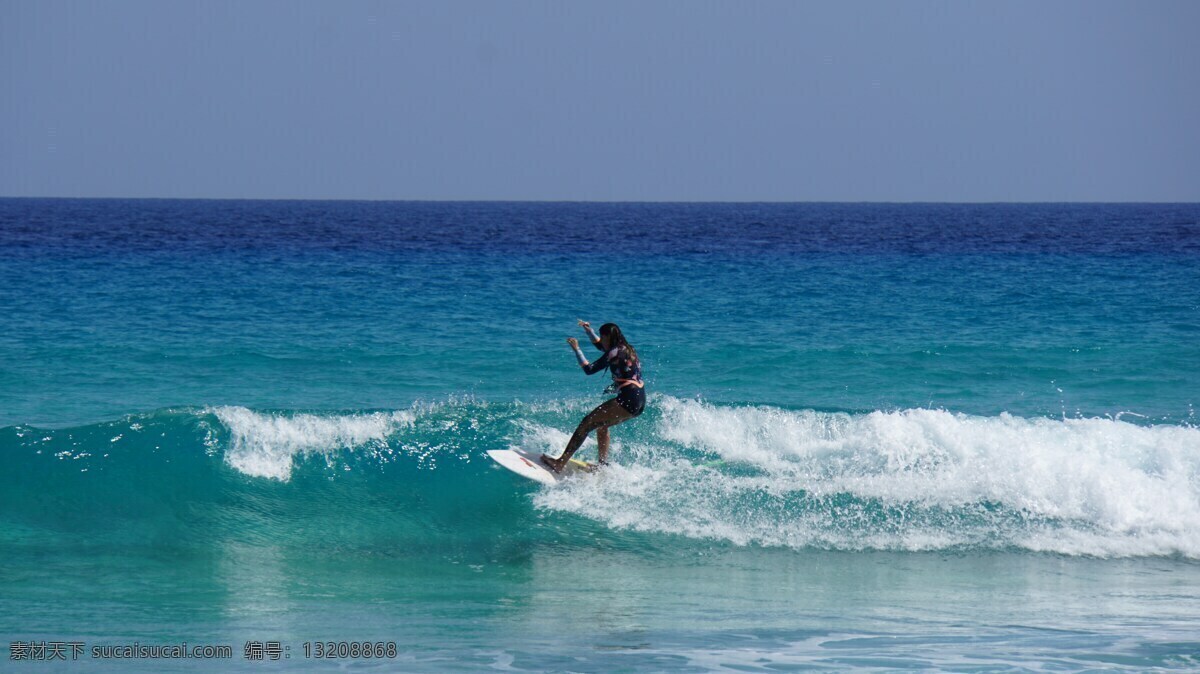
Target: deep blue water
column 879, row 435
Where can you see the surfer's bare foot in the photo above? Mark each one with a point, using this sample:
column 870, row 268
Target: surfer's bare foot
column 554, row 464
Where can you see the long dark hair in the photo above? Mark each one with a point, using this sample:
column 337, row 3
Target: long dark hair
column 617, row 339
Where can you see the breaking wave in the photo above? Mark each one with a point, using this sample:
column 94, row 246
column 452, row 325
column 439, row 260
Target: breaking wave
column 686, row 473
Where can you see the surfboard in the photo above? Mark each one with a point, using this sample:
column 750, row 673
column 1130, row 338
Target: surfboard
column 529, row 465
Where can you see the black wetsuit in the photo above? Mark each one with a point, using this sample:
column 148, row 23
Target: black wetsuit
column 627, row 377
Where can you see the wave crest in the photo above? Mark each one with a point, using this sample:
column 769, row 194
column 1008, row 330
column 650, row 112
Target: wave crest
column 913, row 479
column 265, row 445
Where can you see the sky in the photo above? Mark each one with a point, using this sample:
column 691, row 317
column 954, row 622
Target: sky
column 602, row 101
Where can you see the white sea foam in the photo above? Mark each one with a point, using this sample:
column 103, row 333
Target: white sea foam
column 537, row 438
column 263, row 445
column 913, row 479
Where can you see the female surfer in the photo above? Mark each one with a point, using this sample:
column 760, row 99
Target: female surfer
column 622, row 361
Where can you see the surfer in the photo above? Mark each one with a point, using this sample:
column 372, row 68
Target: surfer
column 622, row 361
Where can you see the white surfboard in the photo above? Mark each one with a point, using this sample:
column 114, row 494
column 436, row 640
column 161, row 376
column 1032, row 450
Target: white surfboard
column 530, row 466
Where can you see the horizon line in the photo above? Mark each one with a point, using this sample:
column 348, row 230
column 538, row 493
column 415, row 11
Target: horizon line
column 604, row 201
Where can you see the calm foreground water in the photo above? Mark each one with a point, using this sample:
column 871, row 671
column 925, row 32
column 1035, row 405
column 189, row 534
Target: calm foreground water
column 956, row 437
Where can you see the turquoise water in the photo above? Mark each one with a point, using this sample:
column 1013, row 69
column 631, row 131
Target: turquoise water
column 954, row 437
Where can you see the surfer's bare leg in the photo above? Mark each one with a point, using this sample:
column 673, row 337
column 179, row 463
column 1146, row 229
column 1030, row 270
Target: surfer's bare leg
column 609, row 413
column 602, row 441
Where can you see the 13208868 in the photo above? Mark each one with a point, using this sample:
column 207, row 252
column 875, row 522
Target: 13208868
column 349, row 649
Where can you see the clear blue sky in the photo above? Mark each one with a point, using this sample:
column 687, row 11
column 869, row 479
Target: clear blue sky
column 691, row 101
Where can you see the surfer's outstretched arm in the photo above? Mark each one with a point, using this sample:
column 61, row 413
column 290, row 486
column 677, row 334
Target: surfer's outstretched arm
column 587, row 327
column 588, row 368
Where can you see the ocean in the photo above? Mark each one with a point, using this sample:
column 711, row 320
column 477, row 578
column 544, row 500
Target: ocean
column 953, row 437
